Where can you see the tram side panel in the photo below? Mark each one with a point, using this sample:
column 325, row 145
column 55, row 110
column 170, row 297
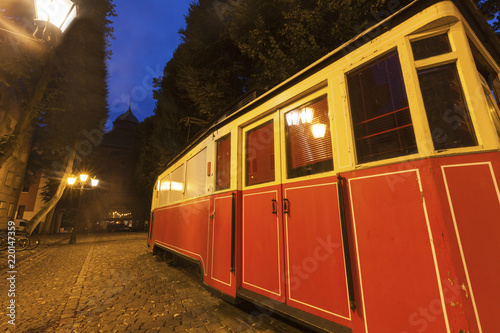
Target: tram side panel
column 183, row 228
column 470, row 198
column 397, row 272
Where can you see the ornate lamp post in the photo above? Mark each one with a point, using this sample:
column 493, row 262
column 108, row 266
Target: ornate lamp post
column 83, row 183
column 53, row 17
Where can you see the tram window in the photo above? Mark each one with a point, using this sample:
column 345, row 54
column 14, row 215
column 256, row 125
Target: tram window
column 430, row 47
column 308, row 139
column 380, row 113
column 223, row 167
column 491, row 85
column 177, row 184
column 164, row 190
column 494, row 111
column 260, row 154
column 447, row 113
column 196, row 171
column 487, row 73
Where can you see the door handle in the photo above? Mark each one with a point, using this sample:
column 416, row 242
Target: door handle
column 286, row 206
column 274, row 206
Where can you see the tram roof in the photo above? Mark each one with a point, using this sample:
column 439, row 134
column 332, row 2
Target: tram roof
column 466, row 7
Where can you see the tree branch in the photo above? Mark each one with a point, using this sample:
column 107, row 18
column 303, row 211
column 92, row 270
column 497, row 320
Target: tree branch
column 35, row 220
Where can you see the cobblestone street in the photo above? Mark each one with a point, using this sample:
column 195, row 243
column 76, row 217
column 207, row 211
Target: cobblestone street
column 111, row 283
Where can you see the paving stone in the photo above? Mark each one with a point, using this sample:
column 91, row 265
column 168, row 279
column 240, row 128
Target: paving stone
column 122, row 289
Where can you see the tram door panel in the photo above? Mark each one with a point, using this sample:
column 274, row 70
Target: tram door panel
column 316, row 269
column 292, row 240
column 262, row 229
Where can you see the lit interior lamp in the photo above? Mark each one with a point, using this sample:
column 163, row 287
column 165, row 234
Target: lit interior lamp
column 306, row 115
column 318, row 130
column 71, row 180
column 292, row 118
column 59, row 13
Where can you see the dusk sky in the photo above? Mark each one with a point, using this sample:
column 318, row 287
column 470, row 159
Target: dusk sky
column 146, row 37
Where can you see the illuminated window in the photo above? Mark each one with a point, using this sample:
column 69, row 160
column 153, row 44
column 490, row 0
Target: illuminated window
column 196, row 175
column 446, row 109
column 177, row 184
column 308, row 139
column 380, row 114
column 164, row 190
column 223, row 167
column 260, row 154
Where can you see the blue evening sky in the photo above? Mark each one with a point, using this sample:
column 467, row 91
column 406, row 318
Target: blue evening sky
column 146, row 37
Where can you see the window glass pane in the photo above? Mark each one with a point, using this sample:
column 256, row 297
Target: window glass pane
column 308, row 139
column 164, row 191
column 487, row 73
column 447, row 113
column 260, row 154
column 196, row 175
column 177, row 184
column 380, row 113
column 223, row 168
column 9, row 179
column 20, row 212
column 430, row 47
column 17, row 183
column 494, row 110
column 11, row 210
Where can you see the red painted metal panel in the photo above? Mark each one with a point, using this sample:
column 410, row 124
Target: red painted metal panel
column 184, row 228
column 397, row 272
column 262, row 242
column 315, row 259
column 475, row 205
column 221, row 243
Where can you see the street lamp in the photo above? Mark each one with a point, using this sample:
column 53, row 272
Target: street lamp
column 53, row 17
column 82, row 184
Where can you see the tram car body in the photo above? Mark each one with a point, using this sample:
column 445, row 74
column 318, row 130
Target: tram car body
column 360, row 195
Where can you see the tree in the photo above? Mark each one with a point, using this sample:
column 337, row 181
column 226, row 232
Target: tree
column 21, row 68
column 75, row 102
column 232, row 46
column 491, row 11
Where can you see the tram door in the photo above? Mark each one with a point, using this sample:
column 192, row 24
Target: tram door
column 292, row 241
column 262, row 225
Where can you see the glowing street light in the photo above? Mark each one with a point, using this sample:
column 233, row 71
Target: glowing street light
column 71, row 180
column 53, row 17
column 81, row 185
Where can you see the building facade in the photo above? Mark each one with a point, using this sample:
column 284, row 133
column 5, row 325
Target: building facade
column 116, row 200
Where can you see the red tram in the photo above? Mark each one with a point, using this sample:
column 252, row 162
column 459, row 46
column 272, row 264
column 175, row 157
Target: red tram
column 360, row 195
